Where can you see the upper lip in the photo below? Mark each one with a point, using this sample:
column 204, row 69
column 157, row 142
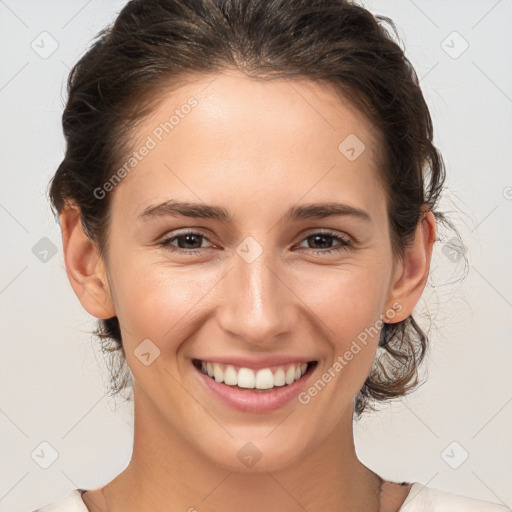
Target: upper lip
column 257, row 363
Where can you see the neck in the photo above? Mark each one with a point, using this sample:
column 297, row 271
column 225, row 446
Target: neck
column 165, row 469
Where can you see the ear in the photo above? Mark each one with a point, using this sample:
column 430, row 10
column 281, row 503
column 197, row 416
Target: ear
column 411, row 272
column 84, row 265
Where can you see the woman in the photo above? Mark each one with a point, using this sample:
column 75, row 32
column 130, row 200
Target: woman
column 248, row 203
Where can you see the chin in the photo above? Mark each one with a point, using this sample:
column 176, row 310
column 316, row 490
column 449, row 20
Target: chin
column 258, row 454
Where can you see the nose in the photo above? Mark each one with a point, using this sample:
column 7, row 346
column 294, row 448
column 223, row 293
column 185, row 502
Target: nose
column 258, row 306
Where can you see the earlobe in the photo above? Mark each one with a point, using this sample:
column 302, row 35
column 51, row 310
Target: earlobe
column 84, row 265
column 412, row 271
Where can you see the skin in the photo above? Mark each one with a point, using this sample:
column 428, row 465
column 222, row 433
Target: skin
column 256, row 149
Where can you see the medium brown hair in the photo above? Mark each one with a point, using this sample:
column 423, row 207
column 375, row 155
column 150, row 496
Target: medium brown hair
column 155, row 45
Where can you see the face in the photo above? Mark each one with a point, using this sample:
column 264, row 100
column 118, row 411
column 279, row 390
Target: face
column 249, row 275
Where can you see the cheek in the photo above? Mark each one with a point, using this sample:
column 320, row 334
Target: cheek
column 348, row 304
column 167, row 304
column 347, row 300
column 159, row 302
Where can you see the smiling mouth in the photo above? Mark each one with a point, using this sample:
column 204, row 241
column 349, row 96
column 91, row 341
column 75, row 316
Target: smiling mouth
column 261, row 380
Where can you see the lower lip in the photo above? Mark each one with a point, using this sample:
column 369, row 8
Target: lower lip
column 254, row 401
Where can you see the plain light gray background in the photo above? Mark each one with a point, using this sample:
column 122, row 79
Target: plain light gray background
column 53, row 379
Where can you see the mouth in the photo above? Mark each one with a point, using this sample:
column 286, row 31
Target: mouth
column 262, row 380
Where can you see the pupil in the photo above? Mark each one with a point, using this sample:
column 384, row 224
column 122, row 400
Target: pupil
column 190, row 239
column 316, row 238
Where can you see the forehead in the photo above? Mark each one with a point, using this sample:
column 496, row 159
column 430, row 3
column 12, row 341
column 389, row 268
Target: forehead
column 228, row 131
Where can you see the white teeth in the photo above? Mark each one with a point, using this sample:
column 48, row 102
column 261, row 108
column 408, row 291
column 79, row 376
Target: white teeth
column 218, row 373
column 246, row 378
column 230, row 376
column 290, row 375
column 250, row 379
column 264, row 379
column 279, row 378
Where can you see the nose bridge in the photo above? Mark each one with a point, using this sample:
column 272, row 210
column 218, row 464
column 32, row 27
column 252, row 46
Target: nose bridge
column 257, row 305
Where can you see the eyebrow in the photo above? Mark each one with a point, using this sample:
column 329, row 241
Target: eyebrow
column 197, row 210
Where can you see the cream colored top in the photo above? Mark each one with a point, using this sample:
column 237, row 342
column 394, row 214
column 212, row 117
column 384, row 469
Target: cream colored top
column 419, row 499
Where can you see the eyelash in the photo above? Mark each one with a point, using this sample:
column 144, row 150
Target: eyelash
column 345, row 243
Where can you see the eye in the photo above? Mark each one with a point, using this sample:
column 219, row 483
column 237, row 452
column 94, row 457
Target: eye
column 325, row 239
column 189, row 242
